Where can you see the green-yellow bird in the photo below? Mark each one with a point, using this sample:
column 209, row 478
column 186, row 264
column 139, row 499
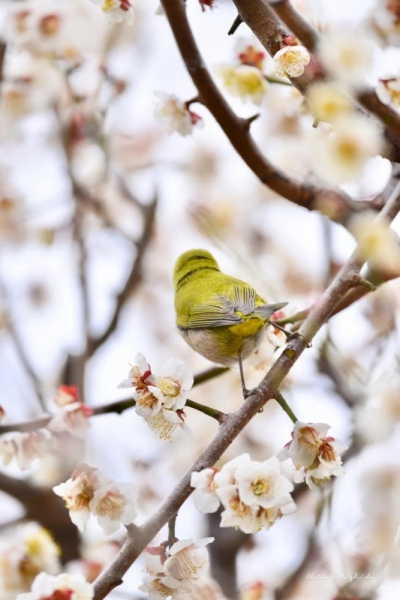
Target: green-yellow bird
column 220, row 317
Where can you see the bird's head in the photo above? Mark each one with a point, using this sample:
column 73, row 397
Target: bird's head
column 191, row 261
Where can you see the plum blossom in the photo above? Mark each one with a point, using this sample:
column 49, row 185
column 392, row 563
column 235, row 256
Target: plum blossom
column 341, row 153
column 79, row 491
column 346, row 56
column 385, row 21
column 60, row 587
column 48, row 28
column 244, row 82
column 160, row 399
column 29, row 550
column 24, row 447
column 90, row 492
column 315, row 456
column 116, row 11
column 388, row 91
column 73, row 416
column 377, row 243
column 188, row 560
column 173, row 572
column 327, row 101
column 114, row 505
column 175, row 115
column 254, row 494
column 250, row 52
column 290, row 61
column 204, row 496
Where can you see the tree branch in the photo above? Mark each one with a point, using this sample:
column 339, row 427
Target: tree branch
column 236, row 129
column 132, row 281
column 235, row 422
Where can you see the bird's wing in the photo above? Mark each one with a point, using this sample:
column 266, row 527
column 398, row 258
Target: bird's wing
column 221, row 311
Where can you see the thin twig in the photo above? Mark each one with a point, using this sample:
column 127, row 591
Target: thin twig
column 132, row 281
column 20, row 348
column 285, row 406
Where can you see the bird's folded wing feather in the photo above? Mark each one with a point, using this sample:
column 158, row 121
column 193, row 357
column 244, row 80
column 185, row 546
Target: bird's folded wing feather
column 221, row 311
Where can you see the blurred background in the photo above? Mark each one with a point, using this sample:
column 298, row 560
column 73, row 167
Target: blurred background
column 96, row 203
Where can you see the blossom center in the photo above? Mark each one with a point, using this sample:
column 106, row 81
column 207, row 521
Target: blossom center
column 169, row 387
column 238, row 507
column 111, row 505
column 261, row 486
column 50, row 25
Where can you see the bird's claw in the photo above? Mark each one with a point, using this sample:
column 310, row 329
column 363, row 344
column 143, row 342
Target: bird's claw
column 247, row 393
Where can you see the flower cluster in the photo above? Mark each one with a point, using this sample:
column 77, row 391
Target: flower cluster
column 74, row 415
column 59, row 587
column 24, row 447
column 315, row 456
column 160, row 399
column 88, row 492
column 175, row 115
column 245, row 78
column 254, row 494
column 116, row 11
column 172, row 574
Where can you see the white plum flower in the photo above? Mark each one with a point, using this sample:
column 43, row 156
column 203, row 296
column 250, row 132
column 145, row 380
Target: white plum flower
column 173, row 572
column 60, row 587
column 174, row 384
column 154, row 586
column 160, row 399
column 238, row 514
column 79, row 491
column 290, row 61
column 315, row 456
column 262, row 484
column 388, row 91
column 167, row 422
column 377, row 243
column 254, row 494
column 204, row 496
column 73, row 416
column 116, row 11
column 327, row 102
column 244, row 82
column 347, row 56
column 114, row 506
column 340, row 154
column 138, row 374
column 175, row 115
column 385, row 21
column 188, row 560
column 25, row 448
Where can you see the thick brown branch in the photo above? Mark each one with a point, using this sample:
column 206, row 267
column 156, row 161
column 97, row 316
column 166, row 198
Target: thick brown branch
column 236, row 129
column 296, row 23
column 132, row 281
